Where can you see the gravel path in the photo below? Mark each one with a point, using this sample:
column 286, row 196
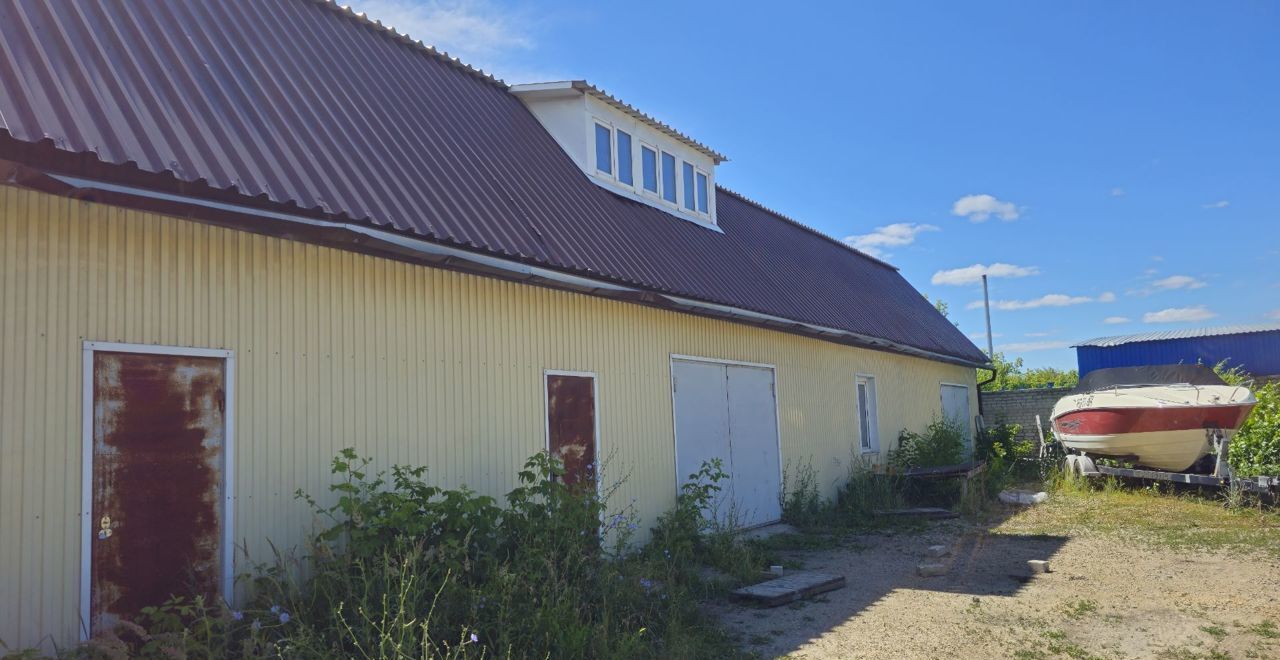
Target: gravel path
column 1105, row 597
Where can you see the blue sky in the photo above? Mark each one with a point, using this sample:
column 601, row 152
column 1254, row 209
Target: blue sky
column 1115, row 166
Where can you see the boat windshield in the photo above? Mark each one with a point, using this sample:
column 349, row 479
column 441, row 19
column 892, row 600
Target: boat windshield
column 1162, row 374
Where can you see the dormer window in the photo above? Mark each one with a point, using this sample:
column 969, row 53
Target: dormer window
column 604, row 149
column 649, row 168
column 676, row 174
column 687, row 177
column 624, row 158
column 669, row 177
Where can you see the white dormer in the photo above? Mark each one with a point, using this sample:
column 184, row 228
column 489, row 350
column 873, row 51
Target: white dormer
column 626, row 151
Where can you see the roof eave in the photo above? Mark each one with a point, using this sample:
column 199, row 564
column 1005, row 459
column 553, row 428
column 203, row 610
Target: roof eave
column 434, row 253
column 562, row 88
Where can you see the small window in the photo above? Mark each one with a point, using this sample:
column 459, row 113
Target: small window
column 702, row 193
column 624, row 158
column 688, row 186
column 649, row 169
column 604, row 150
column 868, row 433
column 669, row 177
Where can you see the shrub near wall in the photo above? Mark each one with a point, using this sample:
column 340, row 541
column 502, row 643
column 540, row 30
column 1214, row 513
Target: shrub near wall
column 410, row 570
column 1255, row 449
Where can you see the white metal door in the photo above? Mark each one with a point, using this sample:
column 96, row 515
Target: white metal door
column 700, row 393
column 753, row 441
column 727, row 411
column 955, row 406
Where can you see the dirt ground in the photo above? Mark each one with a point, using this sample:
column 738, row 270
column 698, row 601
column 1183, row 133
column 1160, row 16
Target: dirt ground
column 1110, row 594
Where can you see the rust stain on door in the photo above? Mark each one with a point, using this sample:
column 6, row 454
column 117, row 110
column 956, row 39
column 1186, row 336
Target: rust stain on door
column 571, row 425
column 158, row 436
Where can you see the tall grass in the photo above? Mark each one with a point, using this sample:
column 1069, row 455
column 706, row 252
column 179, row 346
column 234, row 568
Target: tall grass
column 864, row 492
column 405, row 569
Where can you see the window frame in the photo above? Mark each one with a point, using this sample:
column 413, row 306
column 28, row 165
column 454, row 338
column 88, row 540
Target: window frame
column 657, row 170
column 662, row 184
column 617, row 156
column 688, row 186
column 641, row 142
column 706, row 192
column 867, row 445
column 597, row 123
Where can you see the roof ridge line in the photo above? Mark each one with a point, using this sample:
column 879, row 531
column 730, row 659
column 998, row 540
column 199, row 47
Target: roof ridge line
column 417, row 44
column 1109, row 341
column 790, row 220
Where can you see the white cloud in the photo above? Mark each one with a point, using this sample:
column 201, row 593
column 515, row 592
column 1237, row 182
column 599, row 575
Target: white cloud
column 1028, row 346
column 1116, row 320
column 894, row 235
column 1178, row 315
column 1036, row 334
column 1177, row 282
column 1170, row 283
column 978, row 208
column 983, row 335
column 1048, row 300
column 1274, row 314
column 476, row 31
column 1117, row 192
column 973, row 274
column 1220, row 204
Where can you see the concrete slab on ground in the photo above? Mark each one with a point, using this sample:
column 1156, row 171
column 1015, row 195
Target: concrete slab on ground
column 790, row 588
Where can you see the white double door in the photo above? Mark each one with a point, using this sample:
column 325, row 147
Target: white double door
column 727, row 411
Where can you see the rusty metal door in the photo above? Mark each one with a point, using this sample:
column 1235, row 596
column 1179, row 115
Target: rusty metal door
column 159, row 431
column 571, row 425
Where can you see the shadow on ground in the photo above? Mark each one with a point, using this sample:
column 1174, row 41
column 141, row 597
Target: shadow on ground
column 979, row 563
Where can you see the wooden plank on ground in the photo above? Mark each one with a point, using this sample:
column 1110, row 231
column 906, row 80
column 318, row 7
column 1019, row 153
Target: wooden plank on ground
column 963, row 470
column 917, row 512
column 790, row 588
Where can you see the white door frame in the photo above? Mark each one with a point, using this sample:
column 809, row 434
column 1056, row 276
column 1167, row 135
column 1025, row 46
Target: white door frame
column 872, row 391
column 86, row 463
column 595, row 413
column 970, row 431
column 942, row 384
column 675, row 433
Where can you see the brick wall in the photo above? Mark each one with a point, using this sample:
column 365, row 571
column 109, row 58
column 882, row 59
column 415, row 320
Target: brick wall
column 1021, row 407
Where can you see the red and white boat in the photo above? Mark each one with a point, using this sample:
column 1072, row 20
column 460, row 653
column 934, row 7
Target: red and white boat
column 1160, row 417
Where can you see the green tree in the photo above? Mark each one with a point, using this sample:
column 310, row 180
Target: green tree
column 943, row 308
column 1012, row 375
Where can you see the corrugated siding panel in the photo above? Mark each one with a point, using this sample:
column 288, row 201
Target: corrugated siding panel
column 408, row 364
column 1258, row 352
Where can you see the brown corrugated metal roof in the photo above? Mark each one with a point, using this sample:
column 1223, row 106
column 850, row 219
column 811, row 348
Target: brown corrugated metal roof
column 301, row 104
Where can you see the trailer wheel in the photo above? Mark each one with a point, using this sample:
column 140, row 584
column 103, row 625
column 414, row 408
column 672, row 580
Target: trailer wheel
column 1071, row 465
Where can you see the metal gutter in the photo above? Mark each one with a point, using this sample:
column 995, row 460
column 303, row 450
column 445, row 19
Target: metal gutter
column 490, row 265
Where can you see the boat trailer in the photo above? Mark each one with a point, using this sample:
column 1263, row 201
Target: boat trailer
column 1082, row 465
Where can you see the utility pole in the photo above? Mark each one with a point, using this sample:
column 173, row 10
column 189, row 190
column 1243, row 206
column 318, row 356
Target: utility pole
column 986, row 303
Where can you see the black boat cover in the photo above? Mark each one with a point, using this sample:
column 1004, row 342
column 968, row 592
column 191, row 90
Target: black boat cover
column 1156, row 374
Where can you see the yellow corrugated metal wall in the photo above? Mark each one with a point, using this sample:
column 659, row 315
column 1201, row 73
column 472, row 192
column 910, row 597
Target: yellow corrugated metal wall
column 409, row 364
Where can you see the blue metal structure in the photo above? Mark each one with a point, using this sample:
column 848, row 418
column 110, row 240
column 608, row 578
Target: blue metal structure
column 1255, row 347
